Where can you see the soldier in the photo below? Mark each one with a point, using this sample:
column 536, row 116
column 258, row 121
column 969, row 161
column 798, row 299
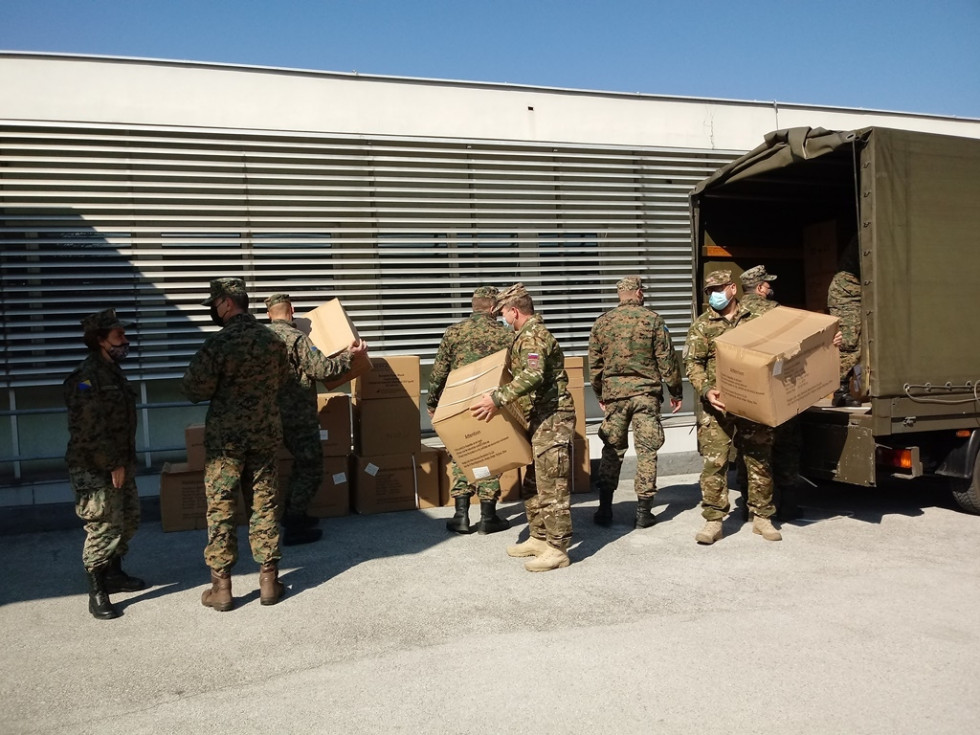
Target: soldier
column 844, row 302
column 757, row 294
column 717, row 429
column 300, row 426
column 631, row 358
column 101, row 459
column 479, row 335
column 540, row 387
column 240, row 369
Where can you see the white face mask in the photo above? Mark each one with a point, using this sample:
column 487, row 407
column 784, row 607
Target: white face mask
column 509, row 324
column 719, row 299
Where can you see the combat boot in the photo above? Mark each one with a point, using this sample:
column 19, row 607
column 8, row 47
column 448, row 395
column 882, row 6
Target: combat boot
column 460, row 523
column 764, row 527
column 710, row 533
column 98, row 597
column 550, row 558
column 271, row 589
column 842, row 396
column 218, row 595
column 116, row 580
column 490, row 522
column 532, row 547
column 644, row 513
column 603, row 515
column 300, row 529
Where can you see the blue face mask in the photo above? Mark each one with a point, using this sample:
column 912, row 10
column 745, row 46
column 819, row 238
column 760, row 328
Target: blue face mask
column 718, row 300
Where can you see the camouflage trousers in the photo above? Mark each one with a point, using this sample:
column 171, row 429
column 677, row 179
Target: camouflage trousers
column 111, row 514
column 303, row 442
column 257, row 477
column 716, row 433
column 484, row 489
column 787, row 444
column 546, row 487
column 844, row 302
column 643, row 412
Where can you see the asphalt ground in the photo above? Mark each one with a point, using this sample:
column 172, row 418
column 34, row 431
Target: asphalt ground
column 864, row 619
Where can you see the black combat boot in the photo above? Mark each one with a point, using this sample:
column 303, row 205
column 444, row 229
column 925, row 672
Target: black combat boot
column 603, row 516
column 116, row 580
column 300, row 529
column 644, row 514
column 98, row 598
column 842, row 396
column 460, row 523
column 490, row 522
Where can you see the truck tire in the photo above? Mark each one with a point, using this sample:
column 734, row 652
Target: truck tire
column 967, row 492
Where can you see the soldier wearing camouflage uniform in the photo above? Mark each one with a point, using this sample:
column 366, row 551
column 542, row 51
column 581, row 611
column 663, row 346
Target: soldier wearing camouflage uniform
column 477, row 336
column 757, row 294
column 844, row 302
column 300, row 425
column 631, row 358
column 718, row 429
column 539, row 386
column 101, row 459
column 240, row 370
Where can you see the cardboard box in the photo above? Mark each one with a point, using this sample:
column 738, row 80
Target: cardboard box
column 429, row 469
column 332, row 498
column 481, row 448
column 510, row 484
column 387, row 426
column 334, row 415
column 332, row 331
column 774, row 367
column 395, row 376
column 194, row 442
column 384, row 483
column 183, row 504
column 575, row 369
column 360, row 365
column 581, row 461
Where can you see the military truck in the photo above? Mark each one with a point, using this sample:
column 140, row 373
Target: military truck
column 911, row 202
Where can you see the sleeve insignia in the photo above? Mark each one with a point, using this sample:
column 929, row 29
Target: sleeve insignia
column 533, row 360
column 85, row 385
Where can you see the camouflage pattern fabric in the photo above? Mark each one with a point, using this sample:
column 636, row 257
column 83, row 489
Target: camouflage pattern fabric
column 102, row 436
column 757, row 304
column 297, row 407
column 240, row 369
column 539, row 385
column 477, row 336
column 787, row 443
column 643, row 413
column 844, row 302
column 717, row 432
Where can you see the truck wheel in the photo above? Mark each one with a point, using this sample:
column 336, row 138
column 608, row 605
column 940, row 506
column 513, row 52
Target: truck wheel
column 967, row 492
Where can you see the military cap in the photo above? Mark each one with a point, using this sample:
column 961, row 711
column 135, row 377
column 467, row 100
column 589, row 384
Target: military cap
column 225, row 287
column 105, row 319
column 486, row 292
column 277, row 298
column 513, row 293
column 630, row 283
column 754, row 276
column 717, row 278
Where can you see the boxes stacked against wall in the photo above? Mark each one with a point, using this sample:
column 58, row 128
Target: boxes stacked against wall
column 581, row 461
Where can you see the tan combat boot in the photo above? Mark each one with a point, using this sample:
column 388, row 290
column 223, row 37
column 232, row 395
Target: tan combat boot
column 270, row 588
column 532, row 547
column 218, row 595
column 764, row 527
column 710, row 533
column 550, row 558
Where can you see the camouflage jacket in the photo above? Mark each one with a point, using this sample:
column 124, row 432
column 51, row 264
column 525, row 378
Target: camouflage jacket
column 631, row 354
column 307, row 365
column 240, row 370
column 844, row 292
column 757, row 304
column 101, row 416
column 464, row 342
column 699, row 350
column 539, row 382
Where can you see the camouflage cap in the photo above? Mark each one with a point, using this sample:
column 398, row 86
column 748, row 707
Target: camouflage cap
column 630, row 283
column 277, row 298
column 105, row 319
column 754, row 276
column 717, row 278
column 513, row 293
column 225, row 287
column 486, row 292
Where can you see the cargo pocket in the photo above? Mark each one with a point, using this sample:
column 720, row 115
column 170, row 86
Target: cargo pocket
column 90, row 505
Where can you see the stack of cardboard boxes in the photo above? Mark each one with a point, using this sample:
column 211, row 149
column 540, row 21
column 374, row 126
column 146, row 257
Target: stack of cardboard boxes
column 581, row 461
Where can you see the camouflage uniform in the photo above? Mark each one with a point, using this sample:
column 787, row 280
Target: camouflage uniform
column 297, row 407
column 102, row 436
column 757, row 304
column 717, row 431
column 631, row 357
column 240, row 370
column 844, row 302
column 540, row 387
column 467, row 341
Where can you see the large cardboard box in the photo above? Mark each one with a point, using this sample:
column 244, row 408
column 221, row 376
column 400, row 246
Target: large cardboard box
column 481, row 448
column 334, row 415
column 332, row 331
column 395, row 376
column 581, row 461
column 194, row 443
column 384, row 483
column 429, row 469
column 773, row 367
column 510, row 484
column 387, row 426
column 332, row 498
column 183, row 505
column 575, row 369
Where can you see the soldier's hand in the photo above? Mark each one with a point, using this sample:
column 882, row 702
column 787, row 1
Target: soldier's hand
column 838, row 339
column 714, row 398
column 675, row 404
column 602, row 406
column 357, row 347
column 430, row 411
column 118, row 477
column 484, row 410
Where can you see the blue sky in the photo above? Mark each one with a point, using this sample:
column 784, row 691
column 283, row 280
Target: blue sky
column 903, row 55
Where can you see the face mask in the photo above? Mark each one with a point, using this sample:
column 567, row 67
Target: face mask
column 118, row 353
column 718, row 300
column 214, row 316
column 770, row 293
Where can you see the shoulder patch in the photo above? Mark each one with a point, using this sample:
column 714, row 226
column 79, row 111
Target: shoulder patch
column 533, row 360
column 85, row 385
